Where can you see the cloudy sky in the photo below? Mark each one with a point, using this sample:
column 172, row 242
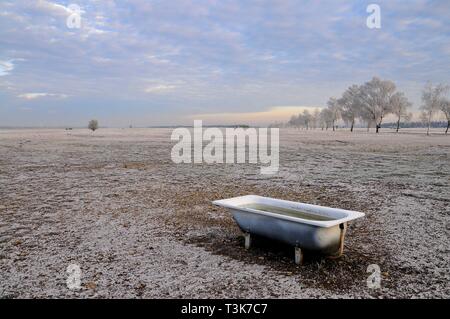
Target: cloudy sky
column 161, row 62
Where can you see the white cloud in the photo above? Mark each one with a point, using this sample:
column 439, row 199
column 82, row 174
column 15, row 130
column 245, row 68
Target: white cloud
column 6, row 67
column 160, row 88
column 32, row 96
column 54, row 8
column 420, row 22
column 157, row 60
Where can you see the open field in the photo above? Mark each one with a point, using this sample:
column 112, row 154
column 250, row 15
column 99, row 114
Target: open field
column 140, row 226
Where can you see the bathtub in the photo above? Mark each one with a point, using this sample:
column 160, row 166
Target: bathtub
column 306, row 227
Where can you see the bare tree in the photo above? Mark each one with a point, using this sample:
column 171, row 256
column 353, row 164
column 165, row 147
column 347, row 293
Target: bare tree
column 432, row 98
column 423, row 118
column 321, row 121
column 315, row 118
column 445, row 108
column 365, row 117
column 350, row 105
column 334, row 111
column 294, row 121
column 306, row 118
column 93, row 125
column 375, row 100
column 326, row 118
column 400, row 106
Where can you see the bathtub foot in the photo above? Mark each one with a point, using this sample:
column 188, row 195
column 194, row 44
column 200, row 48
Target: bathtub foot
column 343, row 228
column 248, row 240
column 298, row 256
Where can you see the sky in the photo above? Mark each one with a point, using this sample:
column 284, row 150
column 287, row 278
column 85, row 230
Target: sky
column 153, row 62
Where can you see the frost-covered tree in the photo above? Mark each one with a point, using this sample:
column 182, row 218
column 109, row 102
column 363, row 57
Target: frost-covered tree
column 350, row 105
column 432, row 98
column 293, row 121
column 400, row 106
column 423, row 117
column 303, row 119
column 334, row 111
column 445, row 108
column 315, row 118
column 375, row 97
column 93, row 125
column 306, row 119
column 365, row 117
column 326, row 118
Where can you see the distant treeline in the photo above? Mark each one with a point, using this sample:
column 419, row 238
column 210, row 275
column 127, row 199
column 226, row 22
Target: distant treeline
column 418, row 124
column 203, row 125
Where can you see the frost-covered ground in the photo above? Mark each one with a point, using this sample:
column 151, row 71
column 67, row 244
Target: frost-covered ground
column 140, row 226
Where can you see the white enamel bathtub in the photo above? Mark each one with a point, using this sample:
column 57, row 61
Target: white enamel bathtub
column 305, row 226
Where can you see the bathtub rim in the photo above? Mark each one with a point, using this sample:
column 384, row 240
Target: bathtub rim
column 231, row 203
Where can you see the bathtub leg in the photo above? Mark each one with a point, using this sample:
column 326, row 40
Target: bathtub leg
column 343, row 228
column 298, row 256
column 248, row 240
column 340, row 252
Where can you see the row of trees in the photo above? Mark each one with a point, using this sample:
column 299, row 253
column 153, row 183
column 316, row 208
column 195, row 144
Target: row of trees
column 371, row 102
